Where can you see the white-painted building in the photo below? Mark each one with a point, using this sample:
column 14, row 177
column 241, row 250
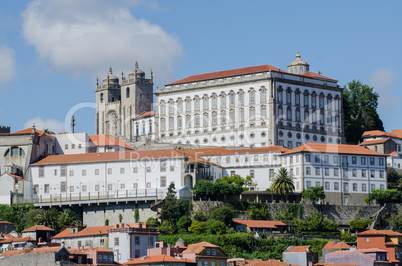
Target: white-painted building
column 394, row 160
column 129, row 174
column 348, row 173
column 130, row 242
column 258, row 163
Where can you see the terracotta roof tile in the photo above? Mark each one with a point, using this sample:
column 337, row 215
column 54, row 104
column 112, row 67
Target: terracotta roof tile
column 315, row 75
column 12, row 239
column 368, row 250
column 107, row 140
column 227, row 73
column 335, row 264
column 397, row 133
column 336, row 245
column 379, row 232
column 334, row 148
column 146, row 114
column 376, row 133
column 38, row 228
column 393, row 154
column 12, row 252
column 29, row 131
column 109, row 156
column 198, row 247
column 292, row 249
column 374, row 141
column 272, row 263
column 260, row 223
column 87, row 231
column 157, row 259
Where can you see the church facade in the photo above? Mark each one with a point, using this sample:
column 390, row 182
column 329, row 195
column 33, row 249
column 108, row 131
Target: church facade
column 257, row 106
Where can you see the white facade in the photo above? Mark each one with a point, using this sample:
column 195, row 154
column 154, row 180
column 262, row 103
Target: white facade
column 252, row 107
column 394, row 160
column 72, row 143
column 128, row 244
column 347, row 176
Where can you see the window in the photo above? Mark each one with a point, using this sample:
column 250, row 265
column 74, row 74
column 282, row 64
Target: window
column 71, row 172
column 327, row 187
column 122, row 186
column 271, row 173
column 252, row 173
column 372, row 173
column 317, row 158
column 71, row 188
column 163, row 181
column 363, row 173
column 208, row 251
column 326, row 171
column 116, row 241
column 109, row 186
column 55, row 172
column 381, row 174
column 41, row 171
column 96, row 187
column 364, row 187
column 172, row 168
column 308, row 158
column 109, row 171
column 354, row 186
column 288, row 97
column 372, row 160
column 326, row 158
column 96, row 171
column 232, row 99
column 223, row 101
column 336, row 186
column 263, row 96
column 336, row 172
column 63, row 170
column 188, row 105
column 308, row 184
column 66, row 147
column 148, row 184
column 62, row 186
column 363, row 160
column 84, row 188
column 305, row 100
column 47, row 189
column 317, row 183
column 317, row 171
column 137, row 240
column 308, row 171
column 353, row 159
column 372, row 187
column 73, row 146
column 354, row 173
column 135, row 170
column 205, row 103
column 289, row 114
column 84, row 172
column 381, row 161
column 297, row 99
column 382, row 187
column 214, row 252
column 345, row 187
column 163, row 166
column 36, row 189
column 163, row 109
column 335, row 160
column 197, row 104
column 252, row 97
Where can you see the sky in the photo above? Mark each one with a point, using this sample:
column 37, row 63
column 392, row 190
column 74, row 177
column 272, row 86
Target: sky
column 52, row 51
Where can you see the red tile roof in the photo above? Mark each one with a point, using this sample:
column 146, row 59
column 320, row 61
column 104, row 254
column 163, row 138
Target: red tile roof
column 4, row 222
column 87, row 231
column 376, row 133
column 393, row 154
column 198, row 247
column 13, row 252
column 297, row 249
column 397, row 133
column 109, row 156
column 38, row 228
column 272, row 263
column 369, row 250
column 335, row 264
column 260, row 223
column 315, row 75
column 334, row 148
column 157, row 259
column 336, row 245
column 379, row 232
column 227, row 73
column 7, row 238
column 374, row 141
column 29, row 131
column 146, row 114
column 106, row 140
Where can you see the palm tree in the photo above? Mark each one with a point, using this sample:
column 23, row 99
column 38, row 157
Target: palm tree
column 283, row 183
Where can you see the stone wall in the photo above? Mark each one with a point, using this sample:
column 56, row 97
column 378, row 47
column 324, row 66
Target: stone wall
column 29, row 259
column 97, row 214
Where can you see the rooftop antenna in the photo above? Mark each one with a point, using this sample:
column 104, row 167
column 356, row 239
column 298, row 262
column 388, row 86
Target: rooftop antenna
column 72, row 124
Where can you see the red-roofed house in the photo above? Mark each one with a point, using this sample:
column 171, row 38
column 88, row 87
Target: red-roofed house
column 387, row 240
column 39, row 256
column 333, row 246
column 160, row 260
column 259, row 226
column 39, row 233
column 347, row 172
column 205, row 253
column 301, row 255
column 366, row 257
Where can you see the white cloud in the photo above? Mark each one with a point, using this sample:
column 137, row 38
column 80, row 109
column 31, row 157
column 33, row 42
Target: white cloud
column 381, row 78
column 52, row 124
column 7, row 64
column 86, row 37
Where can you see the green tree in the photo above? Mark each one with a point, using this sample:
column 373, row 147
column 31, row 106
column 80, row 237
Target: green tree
column 153, row 223
column 48, row 218
column 385, row 196
column 136, row 214
column 258, row 213
column 198, row 227
column 358, row 225
column 224, row 214
column 218, row 228
column 360, row 104
column 394, row 179
column 166, row 228
column 315, row 222
column 107, row 222
column 172, row 208
column 396, row 221
column 183, row 224
column 283, row 183
column 347, row 237
column 48, row 131
column 68, row 218
column 120, row 217
column 314, row 194
column 200, row 216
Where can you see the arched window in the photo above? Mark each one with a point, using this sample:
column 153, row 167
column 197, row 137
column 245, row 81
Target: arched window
column 306, row 114
column 128, row 92
column 14, row 151
column 101, row 97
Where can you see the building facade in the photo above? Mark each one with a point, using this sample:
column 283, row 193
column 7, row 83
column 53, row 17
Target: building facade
column 348, row 173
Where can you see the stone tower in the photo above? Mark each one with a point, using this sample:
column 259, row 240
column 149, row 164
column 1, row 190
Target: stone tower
column 298, row 66
column 118, row 103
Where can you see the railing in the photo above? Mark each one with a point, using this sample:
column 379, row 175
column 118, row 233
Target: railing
column 155, row 194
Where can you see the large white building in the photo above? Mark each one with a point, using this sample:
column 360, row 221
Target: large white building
column 348, row 173
column 257, row 106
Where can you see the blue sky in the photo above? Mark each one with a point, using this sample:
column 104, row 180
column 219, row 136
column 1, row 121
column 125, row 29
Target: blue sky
column 52, row 51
